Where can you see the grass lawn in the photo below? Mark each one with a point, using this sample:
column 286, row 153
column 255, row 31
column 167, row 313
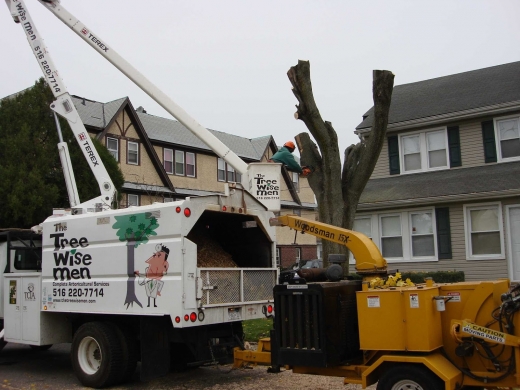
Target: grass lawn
column 256, row 329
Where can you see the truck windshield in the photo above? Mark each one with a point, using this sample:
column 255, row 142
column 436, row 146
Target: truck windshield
column 28, row 259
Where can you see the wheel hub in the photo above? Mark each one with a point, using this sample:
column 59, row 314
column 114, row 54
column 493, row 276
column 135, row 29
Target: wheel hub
column 89, row 355
column 407, row 384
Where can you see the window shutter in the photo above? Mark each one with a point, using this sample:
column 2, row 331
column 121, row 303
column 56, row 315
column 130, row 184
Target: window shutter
column 442, row 216
column 454, row 145
column 393, row 155
column 488, row 136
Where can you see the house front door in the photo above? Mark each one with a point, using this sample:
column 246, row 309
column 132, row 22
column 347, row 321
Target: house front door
column 513, row 216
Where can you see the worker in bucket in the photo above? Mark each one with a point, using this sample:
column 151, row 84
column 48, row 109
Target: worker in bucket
column 285, row 157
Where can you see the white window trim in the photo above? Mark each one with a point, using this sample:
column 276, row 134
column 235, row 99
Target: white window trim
column 296, row 183
column 510, row 267
column 128, row 153
column 137, row 197
column 425, row 162
column 219, row 169
column 351, row 259
column 194, row 164
column 298, row 253
column 406, row 234
column 183, row 162
column 497, row 138
column 404, row 221
column 117, row 148
column 172, row 161
column 434, row 233
column 467, row 234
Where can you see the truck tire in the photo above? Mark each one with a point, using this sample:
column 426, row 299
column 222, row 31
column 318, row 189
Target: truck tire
column 129, row 348
column 97, row 356
column 409, row 377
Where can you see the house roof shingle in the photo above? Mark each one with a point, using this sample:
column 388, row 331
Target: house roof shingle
column 450, row 94
column 451, row 184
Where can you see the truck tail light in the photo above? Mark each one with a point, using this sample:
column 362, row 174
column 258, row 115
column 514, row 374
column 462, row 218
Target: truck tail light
column 224, row 208
column 177, row 319
column 270, row 309
column 178, row 209
column 187, row 212
column 193, row 317
column 186, row 317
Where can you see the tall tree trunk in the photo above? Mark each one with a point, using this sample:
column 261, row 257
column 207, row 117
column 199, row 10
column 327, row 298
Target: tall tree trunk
column 338, row 190
column 130, row 269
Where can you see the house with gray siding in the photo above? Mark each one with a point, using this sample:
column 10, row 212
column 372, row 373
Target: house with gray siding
column 445, row 192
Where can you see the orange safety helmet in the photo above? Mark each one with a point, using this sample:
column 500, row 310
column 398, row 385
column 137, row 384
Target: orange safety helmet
column 290, row 145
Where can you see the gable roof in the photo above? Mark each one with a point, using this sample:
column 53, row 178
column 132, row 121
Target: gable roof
column 493, row 180
column 96, row 114
column 452, row 94
column 173, row 132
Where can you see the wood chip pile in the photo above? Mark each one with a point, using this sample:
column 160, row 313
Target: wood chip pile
column 210, row 253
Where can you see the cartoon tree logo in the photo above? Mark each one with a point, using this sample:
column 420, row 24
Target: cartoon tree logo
column 135, row 230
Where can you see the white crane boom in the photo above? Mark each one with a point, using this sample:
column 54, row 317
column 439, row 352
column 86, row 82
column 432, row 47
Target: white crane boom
column 148, row 87
column 64, row 107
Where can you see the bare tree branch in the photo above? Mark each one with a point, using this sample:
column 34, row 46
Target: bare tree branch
column 338, row 190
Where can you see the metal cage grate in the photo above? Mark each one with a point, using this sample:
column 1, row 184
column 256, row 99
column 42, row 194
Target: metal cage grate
column 220, row 286
column 236, row 285
column 258, row 285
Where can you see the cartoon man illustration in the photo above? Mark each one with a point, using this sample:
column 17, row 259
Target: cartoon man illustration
column 157, row 268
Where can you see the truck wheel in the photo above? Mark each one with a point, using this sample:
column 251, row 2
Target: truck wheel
column 97, row 356
column 130, row 352
column 40, row 347
column 409, row 377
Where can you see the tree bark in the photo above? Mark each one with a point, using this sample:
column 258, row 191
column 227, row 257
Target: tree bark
column 130, row 269
column 338, row 189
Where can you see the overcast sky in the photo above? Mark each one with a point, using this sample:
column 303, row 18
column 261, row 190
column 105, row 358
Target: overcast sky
column 225, row 61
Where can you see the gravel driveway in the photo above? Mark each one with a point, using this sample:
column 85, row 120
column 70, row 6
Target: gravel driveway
column 24, row 369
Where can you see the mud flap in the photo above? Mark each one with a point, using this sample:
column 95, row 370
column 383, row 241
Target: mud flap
column 155, row 347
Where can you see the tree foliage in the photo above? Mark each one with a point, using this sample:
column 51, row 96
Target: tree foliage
column 32, row 182
column 338, row 188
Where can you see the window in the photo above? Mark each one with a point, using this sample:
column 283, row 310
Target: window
column 225, row 172
column 391, row 236
column 297, row 212
column 508, row 136
column 179, row 163
column 113, row 147
column 423, row 243
column 190, row 164
column 408, row 235
column 133, row 200
column 221, row 170
column 230, row 173
column 424, row 151
column 362, row 225
column 298, row 254
column 133, row 153
column 168, row 160
column 484, row 231
column 277, row 257
column 296, row 180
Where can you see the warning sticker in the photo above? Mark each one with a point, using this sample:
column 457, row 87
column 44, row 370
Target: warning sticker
column 454, row 296
column 414, row 301
column 373, row 301
column 484, row 333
